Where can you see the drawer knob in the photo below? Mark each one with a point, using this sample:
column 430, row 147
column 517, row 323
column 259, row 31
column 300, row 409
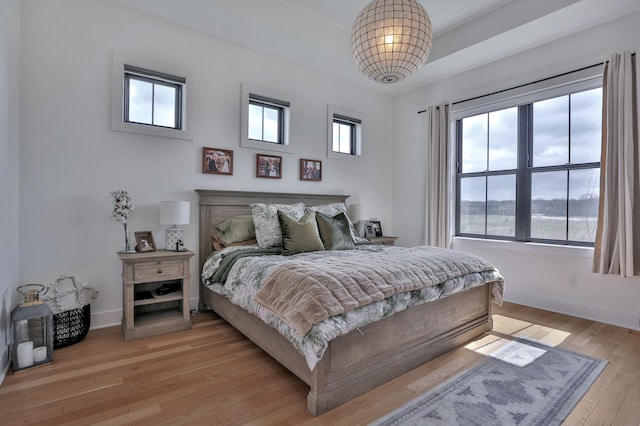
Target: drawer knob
column 159, row 271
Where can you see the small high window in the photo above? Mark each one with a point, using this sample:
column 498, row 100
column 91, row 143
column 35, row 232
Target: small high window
column 345, row 133
column 152, row 98
column 265, row 119
column 149, row 97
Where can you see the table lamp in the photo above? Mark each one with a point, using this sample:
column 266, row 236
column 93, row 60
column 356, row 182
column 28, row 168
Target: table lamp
column 174, row 213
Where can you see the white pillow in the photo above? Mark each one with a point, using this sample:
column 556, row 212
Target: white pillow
column 265, row 218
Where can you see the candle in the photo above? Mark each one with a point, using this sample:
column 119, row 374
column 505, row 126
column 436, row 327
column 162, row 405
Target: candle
column 39, row 354
column 25, row 354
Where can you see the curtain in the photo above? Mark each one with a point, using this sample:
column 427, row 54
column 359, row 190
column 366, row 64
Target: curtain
column 617, row 244
column 437, row 227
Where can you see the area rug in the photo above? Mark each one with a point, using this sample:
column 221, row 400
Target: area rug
column 524, row 383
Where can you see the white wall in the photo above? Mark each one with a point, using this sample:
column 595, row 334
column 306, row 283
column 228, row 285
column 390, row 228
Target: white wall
column 553, row 278
column 9, row 137
column 70, row 159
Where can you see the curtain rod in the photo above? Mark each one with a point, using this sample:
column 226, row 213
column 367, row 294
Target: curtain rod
column 524, row 85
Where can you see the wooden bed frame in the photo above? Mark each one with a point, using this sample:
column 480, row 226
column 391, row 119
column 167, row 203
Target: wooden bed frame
column 359, row 361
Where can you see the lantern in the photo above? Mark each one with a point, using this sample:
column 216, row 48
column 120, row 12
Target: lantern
column 32, row 330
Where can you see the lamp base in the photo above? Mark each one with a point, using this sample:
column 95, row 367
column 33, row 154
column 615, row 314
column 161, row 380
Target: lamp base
column 174, row 239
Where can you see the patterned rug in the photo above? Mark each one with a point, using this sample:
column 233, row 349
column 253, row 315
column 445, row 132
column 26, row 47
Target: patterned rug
column 524, row 383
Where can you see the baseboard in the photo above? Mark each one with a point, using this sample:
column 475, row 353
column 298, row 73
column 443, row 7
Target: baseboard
column 106, row 319
column 580, row 310
column 4, row 364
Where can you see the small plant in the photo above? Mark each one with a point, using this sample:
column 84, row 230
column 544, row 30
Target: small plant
column 122, row 208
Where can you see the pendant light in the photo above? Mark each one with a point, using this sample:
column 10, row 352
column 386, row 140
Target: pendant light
column 391, row 39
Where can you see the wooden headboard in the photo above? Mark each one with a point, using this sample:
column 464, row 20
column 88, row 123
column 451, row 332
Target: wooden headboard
column 217, row 205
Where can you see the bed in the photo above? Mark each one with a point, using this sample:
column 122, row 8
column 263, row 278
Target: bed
column 366, row 357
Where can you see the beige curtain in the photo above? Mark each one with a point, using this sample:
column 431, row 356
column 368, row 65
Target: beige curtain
column 617, row 245
column 438, row 191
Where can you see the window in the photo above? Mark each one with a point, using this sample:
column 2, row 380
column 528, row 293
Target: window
column 344, row 133
column 266, row 117
column 152, row 98
column 149, row 97
column 530, row 172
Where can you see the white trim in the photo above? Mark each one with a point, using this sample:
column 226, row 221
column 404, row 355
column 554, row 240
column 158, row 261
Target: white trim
column 580, row 310
column 106, row 319
column 569, row 83
column 117, row 97
column 522, row 246
column 247, row 90
column 332, row 111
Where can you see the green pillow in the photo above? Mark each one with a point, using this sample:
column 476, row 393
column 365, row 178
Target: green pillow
column 236, row 228
column 299, row 235
column 335, row 232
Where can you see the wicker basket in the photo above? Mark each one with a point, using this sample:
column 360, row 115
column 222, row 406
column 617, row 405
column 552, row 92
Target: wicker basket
column 71, row 326
column 71, row 306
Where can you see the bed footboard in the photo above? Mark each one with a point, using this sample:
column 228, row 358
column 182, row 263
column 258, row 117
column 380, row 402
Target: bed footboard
column 362, row 360
column 356, row 363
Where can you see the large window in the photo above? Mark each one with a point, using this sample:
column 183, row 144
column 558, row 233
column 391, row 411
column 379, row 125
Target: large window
column 530, row 172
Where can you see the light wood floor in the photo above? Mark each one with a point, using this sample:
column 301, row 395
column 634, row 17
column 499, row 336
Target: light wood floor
column 212, row 375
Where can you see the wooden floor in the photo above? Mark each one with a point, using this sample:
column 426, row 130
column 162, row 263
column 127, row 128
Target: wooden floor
column 212, row 375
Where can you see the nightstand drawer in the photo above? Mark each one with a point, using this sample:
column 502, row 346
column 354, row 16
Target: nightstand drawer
column 157, row 270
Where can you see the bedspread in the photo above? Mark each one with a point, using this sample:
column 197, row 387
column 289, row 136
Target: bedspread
column 309, row 291
column 248, row 275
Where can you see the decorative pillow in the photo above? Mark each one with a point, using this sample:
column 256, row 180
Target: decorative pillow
column 332, row 210
column 299, row 236
column 219, row 245
column 265, row 218
column 236, row 228
column 334, row 231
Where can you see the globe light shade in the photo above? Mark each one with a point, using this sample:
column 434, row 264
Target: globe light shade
column 391, row 39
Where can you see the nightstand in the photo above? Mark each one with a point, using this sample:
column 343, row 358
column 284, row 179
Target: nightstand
column 385, row 241
column 155, row 297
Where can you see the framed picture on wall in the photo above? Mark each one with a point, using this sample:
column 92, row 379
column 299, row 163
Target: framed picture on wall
column 217, row 161
column 268, row 166
column 310, row 169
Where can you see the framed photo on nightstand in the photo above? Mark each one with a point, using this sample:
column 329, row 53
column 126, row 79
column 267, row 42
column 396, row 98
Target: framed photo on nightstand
column 144, row 241
column 377, row 228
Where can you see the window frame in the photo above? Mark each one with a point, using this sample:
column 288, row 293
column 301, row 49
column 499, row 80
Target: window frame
column 352, row 118
column 258, row 95
column 156, row 71
column 153, row 77
column 523, row 98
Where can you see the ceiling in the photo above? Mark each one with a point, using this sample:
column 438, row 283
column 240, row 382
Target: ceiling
column 316, row 33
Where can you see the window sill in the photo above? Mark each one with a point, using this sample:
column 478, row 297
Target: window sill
column 553, row 249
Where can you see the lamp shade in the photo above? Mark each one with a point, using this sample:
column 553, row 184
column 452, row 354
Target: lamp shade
column 355, row 212
column 391, row 39
column 175, row 212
